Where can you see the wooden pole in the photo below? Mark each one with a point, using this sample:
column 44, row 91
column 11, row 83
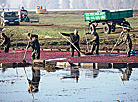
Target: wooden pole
column 116, row 43
column 28, row 83
column 26, row 48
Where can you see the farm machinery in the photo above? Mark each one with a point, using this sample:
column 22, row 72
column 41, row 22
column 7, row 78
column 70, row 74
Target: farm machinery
column 23, row 16
column 41, row 10
column 108, row 19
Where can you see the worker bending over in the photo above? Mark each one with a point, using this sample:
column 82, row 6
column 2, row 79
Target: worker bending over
column 74, row 37
column 94, row 42
column 5, row 43
column 33, row 42
column 127, row 40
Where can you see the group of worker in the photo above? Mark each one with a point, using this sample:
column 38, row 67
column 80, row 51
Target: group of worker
column 33, row 42
column 74, row 38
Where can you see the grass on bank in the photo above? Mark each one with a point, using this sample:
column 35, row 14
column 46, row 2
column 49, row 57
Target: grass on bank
column 63, row 22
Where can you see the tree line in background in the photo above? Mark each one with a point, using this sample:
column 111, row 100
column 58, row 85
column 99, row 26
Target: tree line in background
column 77, row 4
column 85, row 4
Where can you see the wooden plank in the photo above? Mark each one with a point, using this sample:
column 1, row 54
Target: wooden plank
column 85, row 65
column 65, row 64
column 38, row 61
column 50, row 63
column 103, row 65
column 133, row 65
column 13, row 65
column 7, row 65
column 119, row 65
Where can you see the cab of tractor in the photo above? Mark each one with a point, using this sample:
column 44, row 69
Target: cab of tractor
column 23, row 15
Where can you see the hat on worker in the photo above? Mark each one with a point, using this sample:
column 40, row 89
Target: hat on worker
column 93, row 32
column 76, row 31
column 29, row 34
column 3, row 34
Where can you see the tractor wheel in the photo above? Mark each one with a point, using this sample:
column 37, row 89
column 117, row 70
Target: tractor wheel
column 107, row 28
column 92, row 27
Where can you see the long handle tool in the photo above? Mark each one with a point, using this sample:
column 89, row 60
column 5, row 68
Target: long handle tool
column 115, row 44
column 26, row 49
column 28, row 83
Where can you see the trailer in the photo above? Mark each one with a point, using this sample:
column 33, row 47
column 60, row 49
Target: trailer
column 109, row 19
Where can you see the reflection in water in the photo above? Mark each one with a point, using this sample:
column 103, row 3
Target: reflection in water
column 106, row 84
column 95, row 73
column 50, row 68
column 92, row 73
column 3, row 70
column 34, row 83
column 126, row 73
column 74, row 73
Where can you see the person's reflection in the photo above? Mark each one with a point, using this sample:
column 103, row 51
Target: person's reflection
column 74, row 73
column 3, row 70
column 92, row 73
column 34, row 83
column 126, row 74
column 95, row 73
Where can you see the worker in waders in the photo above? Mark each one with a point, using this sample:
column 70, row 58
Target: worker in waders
column 74, row 38
column 127, row 40
column 33, row 42
column 5, row 43
column 34, row 83
column 94, row 42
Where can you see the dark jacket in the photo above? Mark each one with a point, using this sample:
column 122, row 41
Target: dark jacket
column 6, row 41
column 34, row 43
column 95, row 39
column 74, row 39
column 126, row 39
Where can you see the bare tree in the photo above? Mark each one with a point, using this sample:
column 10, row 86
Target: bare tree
column 42, row 2
column 65, row 4
column 78, row 4
column 52, row 4
column 8, row 4
column 83, row 4
column 3, row 3
column 34, row 3
column 24, row 4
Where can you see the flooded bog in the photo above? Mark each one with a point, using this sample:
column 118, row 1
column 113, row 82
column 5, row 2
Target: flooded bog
column 69, row 85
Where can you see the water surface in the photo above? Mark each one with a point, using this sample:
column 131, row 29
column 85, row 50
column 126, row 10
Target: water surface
column 70, row 85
